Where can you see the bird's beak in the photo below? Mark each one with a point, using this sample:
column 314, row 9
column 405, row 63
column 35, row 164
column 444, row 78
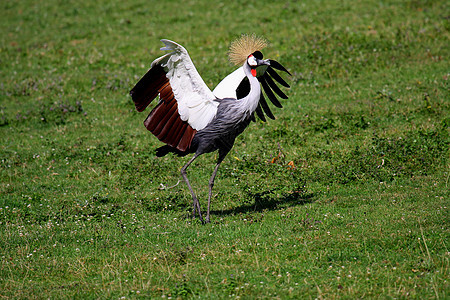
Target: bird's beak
column 264, row 62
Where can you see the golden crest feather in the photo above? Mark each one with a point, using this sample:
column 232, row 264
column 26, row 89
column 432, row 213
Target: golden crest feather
column 242, row 47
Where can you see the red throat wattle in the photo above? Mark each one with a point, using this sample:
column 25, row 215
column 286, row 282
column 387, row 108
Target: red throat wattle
column 254, row 72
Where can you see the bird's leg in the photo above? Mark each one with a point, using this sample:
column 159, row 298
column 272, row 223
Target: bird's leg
column 211, row 184
column 195, row 200
column 222, row 153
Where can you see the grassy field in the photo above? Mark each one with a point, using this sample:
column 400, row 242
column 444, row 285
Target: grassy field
column 344, row 195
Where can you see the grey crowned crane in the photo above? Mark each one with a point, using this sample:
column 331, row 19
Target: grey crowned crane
column 190, row 118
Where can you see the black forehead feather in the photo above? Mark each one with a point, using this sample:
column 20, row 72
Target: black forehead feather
column 258, row 54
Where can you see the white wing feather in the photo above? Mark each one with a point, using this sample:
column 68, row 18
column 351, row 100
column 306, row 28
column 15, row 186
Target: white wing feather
column 227, row 87
column 196, row 102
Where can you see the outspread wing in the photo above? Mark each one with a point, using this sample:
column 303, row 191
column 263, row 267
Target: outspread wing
column 186, row 103
column 236, row 85
column 196, row 102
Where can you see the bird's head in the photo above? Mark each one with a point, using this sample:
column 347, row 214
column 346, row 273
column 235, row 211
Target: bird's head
column 247, row 50
column 256, row 60
column 243, row 48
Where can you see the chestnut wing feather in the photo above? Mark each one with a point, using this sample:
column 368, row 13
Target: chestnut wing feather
column 164, row 120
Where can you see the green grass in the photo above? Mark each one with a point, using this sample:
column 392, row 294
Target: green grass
column 85, row 211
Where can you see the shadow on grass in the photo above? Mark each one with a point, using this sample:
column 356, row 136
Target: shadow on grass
column 267, row 200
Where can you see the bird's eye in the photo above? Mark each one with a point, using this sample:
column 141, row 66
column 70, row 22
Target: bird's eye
column 251, row 60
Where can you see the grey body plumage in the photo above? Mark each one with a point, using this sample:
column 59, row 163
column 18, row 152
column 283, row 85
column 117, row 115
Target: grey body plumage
column 229, row 122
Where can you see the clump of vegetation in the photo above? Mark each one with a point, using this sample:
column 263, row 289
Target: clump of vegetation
column 58, row 112
column 418, row 153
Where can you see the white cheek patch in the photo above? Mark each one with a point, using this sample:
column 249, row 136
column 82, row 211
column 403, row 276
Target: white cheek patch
column 251, row 61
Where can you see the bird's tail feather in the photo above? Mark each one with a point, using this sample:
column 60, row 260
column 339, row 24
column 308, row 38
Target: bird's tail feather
column 166, row 149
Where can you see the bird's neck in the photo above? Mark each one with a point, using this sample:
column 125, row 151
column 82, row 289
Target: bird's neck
column 250, row 102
